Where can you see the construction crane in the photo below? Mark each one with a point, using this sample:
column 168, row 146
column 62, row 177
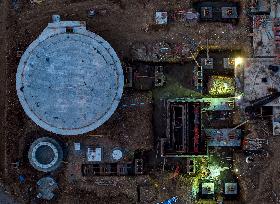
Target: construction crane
column 254, row 106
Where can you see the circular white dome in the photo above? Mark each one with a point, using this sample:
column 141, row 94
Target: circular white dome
column 70, row 83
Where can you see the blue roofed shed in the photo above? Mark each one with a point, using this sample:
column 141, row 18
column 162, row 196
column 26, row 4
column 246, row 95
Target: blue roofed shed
column 223, row 137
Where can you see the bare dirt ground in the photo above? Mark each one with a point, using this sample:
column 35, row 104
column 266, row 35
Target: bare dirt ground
column 123, row 23
column 3, row 62
column 259, row 179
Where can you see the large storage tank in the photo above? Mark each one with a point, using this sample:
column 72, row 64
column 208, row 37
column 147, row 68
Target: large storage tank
column 69, row 80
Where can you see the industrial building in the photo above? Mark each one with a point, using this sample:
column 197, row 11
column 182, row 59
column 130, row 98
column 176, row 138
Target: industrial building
column 184, row 134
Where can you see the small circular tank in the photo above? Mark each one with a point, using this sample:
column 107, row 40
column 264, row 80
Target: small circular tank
column 117, row 154
column 45, row 154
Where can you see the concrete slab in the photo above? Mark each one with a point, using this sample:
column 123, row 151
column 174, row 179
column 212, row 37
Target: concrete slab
column 259, row 79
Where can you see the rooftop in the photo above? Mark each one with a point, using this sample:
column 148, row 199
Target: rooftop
column 78, row 71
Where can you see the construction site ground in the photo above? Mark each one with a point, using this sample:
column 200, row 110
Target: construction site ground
column 121, row 23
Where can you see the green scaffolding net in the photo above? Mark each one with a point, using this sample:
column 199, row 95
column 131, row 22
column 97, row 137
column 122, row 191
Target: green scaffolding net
column 221, row 86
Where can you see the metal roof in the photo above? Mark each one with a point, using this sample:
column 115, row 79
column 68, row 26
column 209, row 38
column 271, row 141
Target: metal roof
column 223, row 137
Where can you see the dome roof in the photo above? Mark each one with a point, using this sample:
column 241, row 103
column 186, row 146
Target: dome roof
column 69, row 80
